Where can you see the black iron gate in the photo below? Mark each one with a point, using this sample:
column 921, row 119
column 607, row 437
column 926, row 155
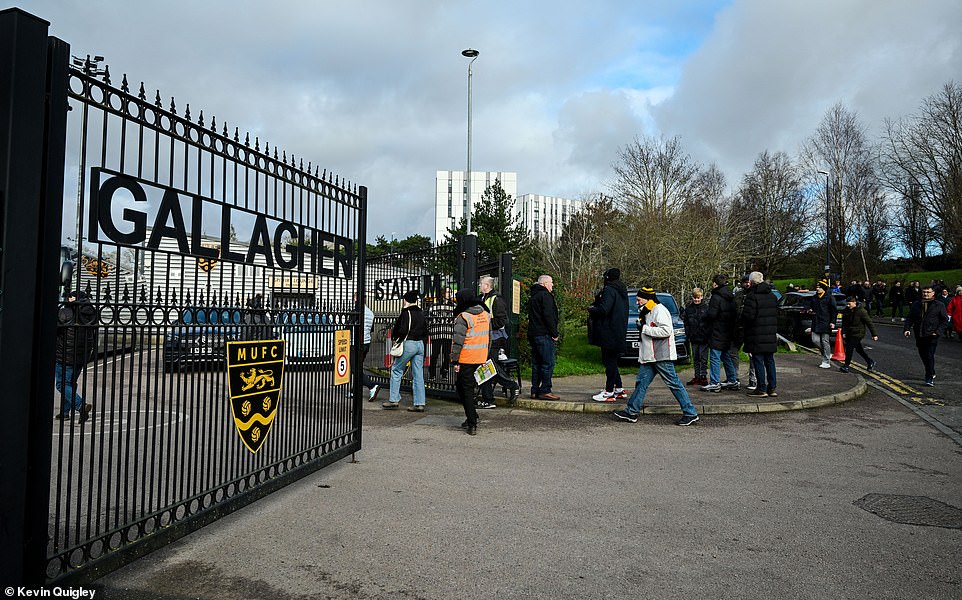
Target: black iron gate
column 187, row 239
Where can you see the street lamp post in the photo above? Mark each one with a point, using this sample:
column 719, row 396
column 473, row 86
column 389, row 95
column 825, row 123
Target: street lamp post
column 473, row 55
column 828, row 227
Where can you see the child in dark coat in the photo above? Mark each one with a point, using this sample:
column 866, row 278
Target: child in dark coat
column 697, row 332
column 854, row 321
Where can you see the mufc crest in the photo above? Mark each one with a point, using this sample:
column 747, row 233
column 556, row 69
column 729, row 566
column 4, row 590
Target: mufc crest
column 255, row 371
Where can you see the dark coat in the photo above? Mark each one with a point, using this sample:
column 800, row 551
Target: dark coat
column 542, row 313
column 912, row 294
column 927, row 319
column 825, row 312
column 855, row 321
column 721, row 317
column 76, row 333
column 695, row 316
column 760, row 319
column 608, row 317
column 896, row 294
column 418, row 330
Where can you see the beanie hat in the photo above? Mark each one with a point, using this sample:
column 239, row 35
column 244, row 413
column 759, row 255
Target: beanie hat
column 411, row 296
column 646, row 292
column 823, row 283
column 612, row 274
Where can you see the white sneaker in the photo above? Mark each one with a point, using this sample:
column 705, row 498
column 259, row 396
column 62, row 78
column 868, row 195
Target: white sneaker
column 825, row 365
column 604, row 396
column 373, row 396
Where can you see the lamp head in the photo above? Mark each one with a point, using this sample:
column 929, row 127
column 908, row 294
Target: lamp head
column 470, row 53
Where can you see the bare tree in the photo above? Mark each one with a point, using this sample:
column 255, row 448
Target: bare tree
column 676, row 232
column 778, row 214
column 922, row 161
column 840, row 145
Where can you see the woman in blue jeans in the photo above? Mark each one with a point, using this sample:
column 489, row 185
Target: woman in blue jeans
column 410, row 326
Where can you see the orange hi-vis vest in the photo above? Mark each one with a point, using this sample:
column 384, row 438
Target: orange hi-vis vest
column 475, row 348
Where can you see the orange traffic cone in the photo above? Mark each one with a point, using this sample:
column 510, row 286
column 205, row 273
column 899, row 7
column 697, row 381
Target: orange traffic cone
column 839, row 353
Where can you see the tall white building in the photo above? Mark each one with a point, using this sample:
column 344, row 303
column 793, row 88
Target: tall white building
column 452, row 189
column 542, row 216
column 546, row 216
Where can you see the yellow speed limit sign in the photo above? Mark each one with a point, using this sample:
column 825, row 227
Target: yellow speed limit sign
column 342, row 356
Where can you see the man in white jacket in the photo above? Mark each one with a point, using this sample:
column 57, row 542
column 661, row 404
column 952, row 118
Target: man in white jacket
column 656, row 353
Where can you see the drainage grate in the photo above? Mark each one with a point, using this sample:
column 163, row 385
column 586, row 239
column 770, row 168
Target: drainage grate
column 912, row 510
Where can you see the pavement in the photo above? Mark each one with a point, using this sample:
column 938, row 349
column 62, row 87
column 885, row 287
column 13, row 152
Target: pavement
column 801, row 385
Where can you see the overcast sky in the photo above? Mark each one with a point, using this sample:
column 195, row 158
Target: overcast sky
column 376, row 90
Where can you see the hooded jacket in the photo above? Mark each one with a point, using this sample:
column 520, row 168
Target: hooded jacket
column 760, row 319
column 854, row 322
column 721, row 318
column 77, row 332
column 481, row 324
column 825, row 309
column 542, row 313
column 608, row 317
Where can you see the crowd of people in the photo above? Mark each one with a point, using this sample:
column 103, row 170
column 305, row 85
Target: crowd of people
column 717, row 327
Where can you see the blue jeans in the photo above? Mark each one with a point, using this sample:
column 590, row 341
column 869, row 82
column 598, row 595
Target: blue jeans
column 413, row 353
column 714, row 369
column 542, row 363
column 764, row 364
column 66, row 382
column 666, row 370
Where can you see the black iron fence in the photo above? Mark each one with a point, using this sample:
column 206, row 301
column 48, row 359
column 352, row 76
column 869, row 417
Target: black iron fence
column 185, row 243
column 434, row 274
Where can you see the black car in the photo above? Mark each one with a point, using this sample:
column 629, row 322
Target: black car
column 200, row 336
column 634, row 336
column 795, row 315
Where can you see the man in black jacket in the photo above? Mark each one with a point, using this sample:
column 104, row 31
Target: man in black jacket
column 498, row 308
column 543, row 335
column 760, row 319
column 721, row 319
column 824, row 312
column 607, row 329
column 928, row 320
column 76, row 346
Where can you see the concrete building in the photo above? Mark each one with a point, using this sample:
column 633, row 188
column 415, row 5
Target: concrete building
column 546, row 216
column 543, row 216
column 451, row 191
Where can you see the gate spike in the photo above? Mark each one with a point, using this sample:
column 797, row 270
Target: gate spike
column 107, row 74
column 301, row 167
column 285, row 156
column 237, row 135
column 267, row 148
column 157, row 101
column 123, row 85
column 142, row 94
column 257, row 143
column 125, row 297
column 143, row 296
column 213, row 123
column 200, row 119
column 275, row 152
column 173, row 107
column 247, row 139
column 187, row 298
column 107, row 297
column 187, row 112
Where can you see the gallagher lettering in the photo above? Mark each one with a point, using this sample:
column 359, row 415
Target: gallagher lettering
column 267, row 235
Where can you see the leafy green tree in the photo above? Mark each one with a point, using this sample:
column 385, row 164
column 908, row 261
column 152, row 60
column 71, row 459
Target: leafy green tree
column 499, row 229
column 413, row 243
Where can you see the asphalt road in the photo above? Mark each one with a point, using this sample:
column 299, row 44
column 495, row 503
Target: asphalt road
column 901, row 372
column 568, row 505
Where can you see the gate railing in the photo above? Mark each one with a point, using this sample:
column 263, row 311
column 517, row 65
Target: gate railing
column 184, row 236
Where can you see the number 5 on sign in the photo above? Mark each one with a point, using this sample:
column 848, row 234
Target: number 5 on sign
column 342, row 356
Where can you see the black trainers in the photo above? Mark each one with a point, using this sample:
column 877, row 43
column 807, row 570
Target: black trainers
column 687, row 420
column 85, row 412
column 624, row 415
column 483, row 404
column 871, row 365
column 472, row 430
column 843, row 369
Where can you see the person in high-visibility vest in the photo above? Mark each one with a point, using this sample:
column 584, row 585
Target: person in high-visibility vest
column 469, row 349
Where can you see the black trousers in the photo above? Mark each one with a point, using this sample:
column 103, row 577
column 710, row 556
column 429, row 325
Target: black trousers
column 465, row 385
column 851, row 346
column 609, row 358
column 927, row 346
column 359, row 358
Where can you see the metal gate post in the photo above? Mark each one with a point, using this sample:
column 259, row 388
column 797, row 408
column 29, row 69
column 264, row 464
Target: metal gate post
column 468, row 271
column 33, row 110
